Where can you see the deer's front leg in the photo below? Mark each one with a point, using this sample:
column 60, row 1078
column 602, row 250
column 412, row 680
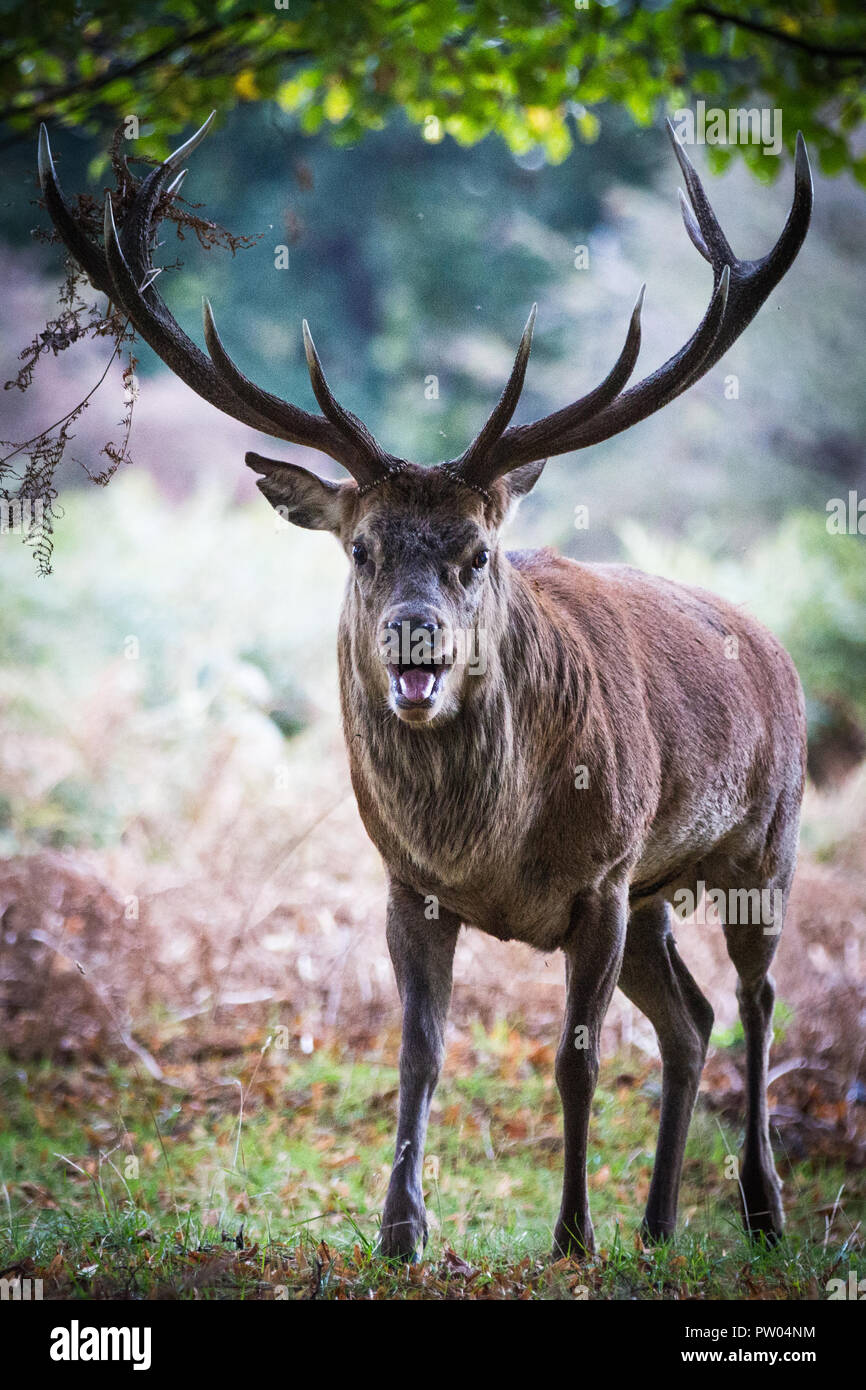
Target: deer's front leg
column 593, row 954
column 422, row 952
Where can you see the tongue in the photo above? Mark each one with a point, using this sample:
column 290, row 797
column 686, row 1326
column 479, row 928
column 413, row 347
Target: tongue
column 416, row 684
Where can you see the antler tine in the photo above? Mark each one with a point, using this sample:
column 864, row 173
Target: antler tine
column 349, row 424
column 485, row 459
column 125, row 273
column 86, row 252
column 175, row 185
column 470, row 464
column 175, row 160
column 320, row 432
column 133, row 290
column 691, row 226
column 137, row 232
column 784, row 253
column 740, row 288
column 712, row 235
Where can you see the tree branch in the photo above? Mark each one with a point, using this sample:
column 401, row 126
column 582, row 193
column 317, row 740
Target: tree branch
column 754, row 26
column 189, row 38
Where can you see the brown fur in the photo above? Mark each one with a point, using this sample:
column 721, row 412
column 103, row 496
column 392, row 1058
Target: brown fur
column 694, row 755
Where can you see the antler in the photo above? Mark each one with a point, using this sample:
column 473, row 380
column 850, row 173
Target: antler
column 739, row 290
column 123, row 270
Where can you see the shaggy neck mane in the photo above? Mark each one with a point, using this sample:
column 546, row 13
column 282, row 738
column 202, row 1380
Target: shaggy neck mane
column 464, row 779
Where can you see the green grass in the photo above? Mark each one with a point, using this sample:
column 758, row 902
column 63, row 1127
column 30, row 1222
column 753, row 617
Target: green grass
column 117, row 1186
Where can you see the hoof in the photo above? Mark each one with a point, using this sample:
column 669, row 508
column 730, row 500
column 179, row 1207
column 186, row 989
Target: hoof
column 401, row 1235
column 763, row 1216
column 656, row 1232
column 763, row 1227
column 572, row 1245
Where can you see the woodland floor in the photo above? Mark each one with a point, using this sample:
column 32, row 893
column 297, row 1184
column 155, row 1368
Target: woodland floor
column 254, row 1174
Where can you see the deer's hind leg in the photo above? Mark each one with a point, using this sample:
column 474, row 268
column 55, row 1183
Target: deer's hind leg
column 751, row 947
column 654, row 977
column 755, row 888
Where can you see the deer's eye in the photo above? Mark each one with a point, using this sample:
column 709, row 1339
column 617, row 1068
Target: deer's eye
column 481, row 559
column 359, row 553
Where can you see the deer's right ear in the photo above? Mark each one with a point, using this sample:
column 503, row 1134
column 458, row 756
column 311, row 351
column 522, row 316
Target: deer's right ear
column 300, row 496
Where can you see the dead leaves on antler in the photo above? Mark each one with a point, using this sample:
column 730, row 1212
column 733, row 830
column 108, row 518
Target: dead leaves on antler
column 77, row 319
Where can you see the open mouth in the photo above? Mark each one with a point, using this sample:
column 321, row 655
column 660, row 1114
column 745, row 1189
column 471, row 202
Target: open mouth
column 416, row 685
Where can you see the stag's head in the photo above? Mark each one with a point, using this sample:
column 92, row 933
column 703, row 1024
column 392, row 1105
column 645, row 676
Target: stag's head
column 427, row 574
column 428, row 577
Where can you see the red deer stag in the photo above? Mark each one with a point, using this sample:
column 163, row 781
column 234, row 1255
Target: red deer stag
column 691, row 763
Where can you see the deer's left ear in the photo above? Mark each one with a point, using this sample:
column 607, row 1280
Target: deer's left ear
column 299, row 495
column 523, row 479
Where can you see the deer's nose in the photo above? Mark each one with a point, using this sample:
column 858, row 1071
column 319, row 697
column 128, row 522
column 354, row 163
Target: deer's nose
column 410, row 634
column 414, row 624
column 414, row 632
column 418, row 619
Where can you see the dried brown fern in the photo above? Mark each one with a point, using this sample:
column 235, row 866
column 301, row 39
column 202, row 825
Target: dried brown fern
column 28, row 495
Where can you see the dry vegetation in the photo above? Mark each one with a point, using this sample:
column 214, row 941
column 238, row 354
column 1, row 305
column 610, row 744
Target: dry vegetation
column 105, row 956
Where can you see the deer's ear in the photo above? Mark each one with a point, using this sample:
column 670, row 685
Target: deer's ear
column 523, row 479
column 300, row 496
column 520, row 481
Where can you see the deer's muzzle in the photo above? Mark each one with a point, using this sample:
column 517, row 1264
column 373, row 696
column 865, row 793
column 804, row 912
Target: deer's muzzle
column 418, row 652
